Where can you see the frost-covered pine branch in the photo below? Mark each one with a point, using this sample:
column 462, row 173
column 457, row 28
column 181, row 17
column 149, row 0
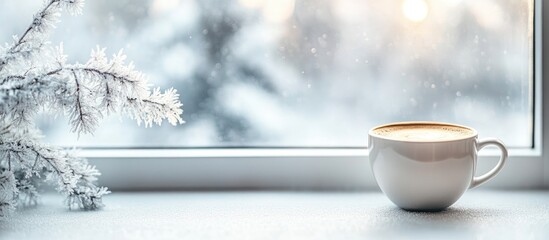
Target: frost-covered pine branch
column 35, row 75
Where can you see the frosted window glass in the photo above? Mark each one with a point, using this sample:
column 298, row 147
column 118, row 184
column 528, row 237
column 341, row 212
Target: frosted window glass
column 313, row 73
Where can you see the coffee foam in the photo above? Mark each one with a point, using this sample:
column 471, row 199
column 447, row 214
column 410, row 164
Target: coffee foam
column 423, row 132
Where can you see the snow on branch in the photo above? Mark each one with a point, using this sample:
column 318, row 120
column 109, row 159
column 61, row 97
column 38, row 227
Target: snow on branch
column 34, row 76
column 87, row 92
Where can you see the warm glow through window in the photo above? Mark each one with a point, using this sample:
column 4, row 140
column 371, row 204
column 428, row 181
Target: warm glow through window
column 415, row 10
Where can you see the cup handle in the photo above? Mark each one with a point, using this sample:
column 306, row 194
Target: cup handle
column 477, row 181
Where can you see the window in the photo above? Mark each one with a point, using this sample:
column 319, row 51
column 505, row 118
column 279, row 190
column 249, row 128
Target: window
column 314, row 73
column 311, row 73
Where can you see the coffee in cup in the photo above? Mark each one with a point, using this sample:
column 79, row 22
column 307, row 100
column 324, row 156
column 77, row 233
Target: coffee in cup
column 427, row 166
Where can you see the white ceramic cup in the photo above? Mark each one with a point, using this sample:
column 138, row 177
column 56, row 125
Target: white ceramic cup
column 428, row 175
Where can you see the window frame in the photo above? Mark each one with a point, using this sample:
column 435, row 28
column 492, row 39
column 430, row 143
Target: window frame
column 314, row 168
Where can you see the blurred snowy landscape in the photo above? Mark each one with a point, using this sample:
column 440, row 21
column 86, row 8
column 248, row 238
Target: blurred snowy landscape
column 311, row 73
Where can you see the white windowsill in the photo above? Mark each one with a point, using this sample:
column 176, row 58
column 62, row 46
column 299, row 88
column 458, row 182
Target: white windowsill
column 277, row 169
column 258, row 152
column 282, row 215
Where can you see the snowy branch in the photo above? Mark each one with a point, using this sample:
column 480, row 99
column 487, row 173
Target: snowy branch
column 35, row 76
column 34, row 37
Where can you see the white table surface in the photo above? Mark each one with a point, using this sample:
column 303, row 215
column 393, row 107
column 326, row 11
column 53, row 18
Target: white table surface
column 479, row 214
